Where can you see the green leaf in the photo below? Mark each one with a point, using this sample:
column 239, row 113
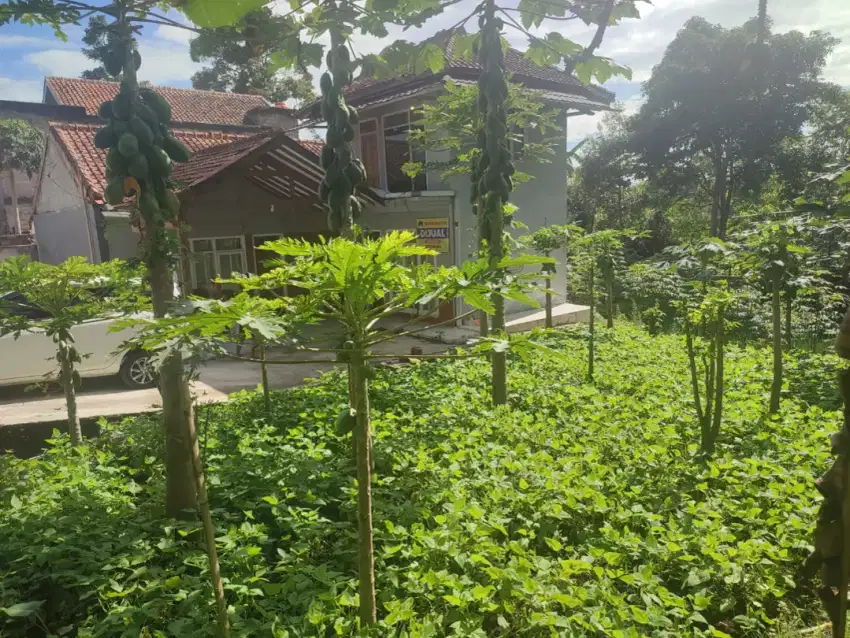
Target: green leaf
column 22, row 610
column 431, row 57
column 219, row 13
column 15, row 502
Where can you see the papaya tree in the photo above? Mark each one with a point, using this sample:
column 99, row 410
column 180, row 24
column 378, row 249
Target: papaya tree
column 707, row 310
column 38, row 297
column 545, row 241
column 354, row 283
column 773, row 257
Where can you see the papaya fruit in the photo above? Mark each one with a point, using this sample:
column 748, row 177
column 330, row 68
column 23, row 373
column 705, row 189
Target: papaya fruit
column 105, row 137
column 116, row 163
column 121, row 106
column 356, row 207
column 348, row 133
column 147, row 114
column 353, row 115
column 327, row 157
column 176, row 150
column 148, row 205
column 159, row 162
column 128, row 144
column 139, row 167
column 324, row 190
column 113, row 63
column 114, row 194
column 141, row 130
column 326, row 82
column 120, row 127
column 169, row 203
column 137, row 60
column 158, row 103
column 345, row 422
column 105, row 110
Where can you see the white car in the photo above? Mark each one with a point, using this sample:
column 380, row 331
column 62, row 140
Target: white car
column 31, row 358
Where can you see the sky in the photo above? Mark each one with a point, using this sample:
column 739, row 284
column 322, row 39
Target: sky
column 30, row 53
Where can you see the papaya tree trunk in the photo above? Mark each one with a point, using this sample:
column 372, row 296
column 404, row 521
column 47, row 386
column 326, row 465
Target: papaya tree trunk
column 776, row 385
column 718, row 378
column 264, row 373
column 591, row 324
column 692, row 362
column 478, row 209
column 363, row 428
column 789, row 333
column 609, row 298
column 180, row 497
column 209, row 533
column 548, row 302
column 66, row 377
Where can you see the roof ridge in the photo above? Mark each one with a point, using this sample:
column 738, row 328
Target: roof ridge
column 157, row 86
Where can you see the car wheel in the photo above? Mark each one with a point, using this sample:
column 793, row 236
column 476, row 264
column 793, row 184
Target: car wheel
column 137, row 371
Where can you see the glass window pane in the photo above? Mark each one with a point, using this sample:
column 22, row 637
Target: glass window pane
column 201, row 245
column 229, row 263
column 204, row 272
column 369, row 126
column 228, row 243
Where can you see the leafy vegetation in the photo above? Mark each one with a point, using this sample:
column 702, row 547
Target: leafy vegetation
column 528, row 520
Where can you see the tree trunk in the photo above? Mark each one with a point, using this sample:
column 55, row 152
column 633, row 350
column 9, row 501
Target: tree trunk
column 789, row 333
column 718, row 389
column 15, row 213
column 66, row 377
column 716, row 197
column 363, row 428
column 776, row 385
column 591, row 324
column 209, row 533
column 610, row 302
column 264, row 373
column 692, row 361
column 548, row 274
column 478, row 212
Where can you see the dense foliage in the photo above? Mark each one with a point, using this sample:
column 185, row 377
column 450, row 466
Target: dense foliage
column 527, row 520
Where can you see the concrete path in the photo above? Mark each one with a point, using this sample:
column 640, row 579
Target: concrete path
column 217, row 379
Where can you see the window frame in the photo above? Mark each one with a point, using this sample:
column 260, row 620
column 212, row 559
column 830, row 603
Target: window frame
column 382, row 150
column 379, row 139
column 215, row 252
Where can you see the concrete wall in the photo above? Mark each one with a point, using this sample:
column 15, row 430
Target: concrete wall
column 63, row 222
column 122, row 240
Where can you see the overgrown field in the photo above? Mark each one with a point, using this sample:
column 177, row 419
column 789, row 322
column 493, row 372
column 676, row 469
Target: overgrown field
column 579, row 511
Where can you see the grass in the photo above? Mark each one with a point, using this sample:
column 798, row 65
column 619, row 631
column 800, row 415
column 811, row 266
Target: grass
column 580, row 510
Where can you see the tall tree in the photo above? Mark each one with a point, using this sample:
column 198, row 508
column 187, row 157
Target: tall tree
column 241, row 58
column 21, row 149
column 717, row 108
column 101, row 44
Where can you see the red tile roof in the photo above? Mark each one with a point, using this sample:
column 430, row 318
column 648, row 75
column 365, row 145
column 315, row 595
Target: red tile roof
column 312, row 145
column 187, row 105
column 212, row 152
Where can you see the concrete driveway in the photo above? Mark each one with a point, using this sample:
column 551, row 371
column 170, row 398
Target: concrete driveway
column 217, row 379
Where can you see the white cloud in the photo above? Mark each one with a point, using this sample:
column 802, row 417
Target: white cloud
column 163, row 64
column 20, row 90
column 59, row 62
column 14, row 41
column 174, row 34
column 582, row 126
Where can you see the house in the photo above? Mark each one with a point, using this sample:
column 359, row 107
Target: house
column 440, row 211
column 248, row 180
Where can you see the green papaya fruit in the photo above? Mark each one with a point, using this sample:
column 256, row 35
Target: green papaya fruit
column 114, row 194
column 353, row 115
column 147, row 114
column 327, row 157
column 120, row 127
column 116, row 163
column 176, row 150
column 142, row 131
column 105, row 137
column 327, row 111
column 128, row 144
column 105, row 110
column 326, row 82
column 342, row 53
column 170, row 203
column 356, row 207
column 139, row 167
column 121, row 106
column 324, row 190
column 159, row 162
column 348, row 133
column 148, row 205
column 158, row 103
column 345, row 422
column 137, row 60
column 113, row 63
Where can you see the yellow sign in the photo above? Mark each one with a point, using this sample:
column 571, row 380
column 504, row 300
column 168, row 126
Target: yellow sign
column 433, row 232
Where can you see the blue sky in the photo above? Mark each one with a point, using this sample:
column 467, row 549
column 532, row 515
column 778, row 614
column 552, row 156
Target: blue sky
column 30, row 53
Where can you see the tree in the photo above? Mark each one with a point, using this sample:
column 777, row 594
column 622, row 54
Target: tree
column 56, row 299
column 246, row 67
column 545, row 241
column 101, row 45
column 21, row 149
column 772, row 255
column 710, row 120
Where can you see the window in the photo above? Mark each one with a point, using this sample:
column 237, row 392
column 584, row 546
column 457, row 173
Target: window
column 369, row 152
column 216, row 257
column 397, row 152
